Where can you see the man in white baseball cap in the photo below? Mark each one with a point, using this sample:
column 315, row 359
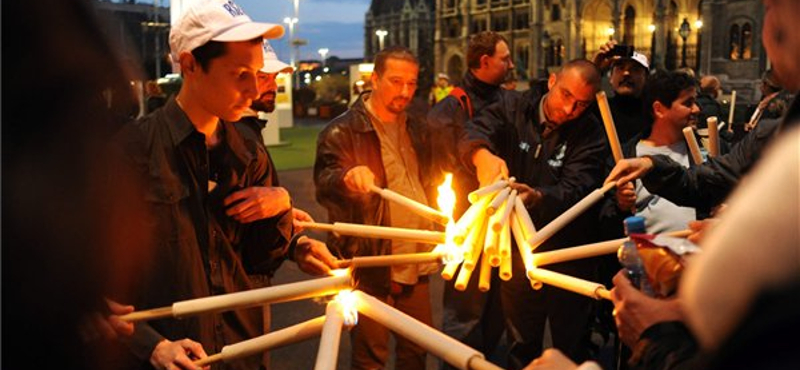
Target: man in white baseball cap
column 215, row 220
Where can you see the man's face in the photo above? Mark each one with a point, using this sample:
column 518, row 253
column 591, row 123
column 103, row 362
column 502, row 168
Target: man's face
column 782, row 41
column 267, row 90
column 628, row 78
column 569, row 96
column 228, row 86
column 683, row 111
column 498, row 65
column 395, row 87
column 442, row 82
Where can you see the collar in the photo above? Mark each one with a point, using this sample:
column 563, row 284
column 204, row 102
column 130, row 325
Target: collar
column 478, row 87
column 546, row 126
column 180, row 127
column 359, row 109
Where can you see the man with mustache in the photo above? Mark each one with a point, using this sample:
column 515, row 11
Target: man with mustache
column 627, row 77
column 376, row 143
column 556, row 150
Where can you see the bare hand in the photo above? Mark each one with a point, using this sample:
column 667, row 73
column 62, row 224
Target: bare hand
column 552, row 359
column 634, row 311
column 359, row 179
column 176, row 355
column 300, row 216
column 489, row 167
column 257, row 203
column 313, row 257
column 699, row 229
column 527, row 194
column 110, row 326
column 626, row 197
column 629, row 169
column 602, row 59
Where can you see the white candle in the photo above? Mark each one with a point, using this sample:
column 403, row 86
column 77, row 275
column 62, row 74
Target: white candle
column 474, row 215
column 474, row 245
column 691, row 143
column 485, row 277
column 498, row 201
column 524, row 248
column 732, row 110
column 566, row 282
column 412, row 205
column 449, row 270
column 565, row 218
column 608, row 122
column 504, row 211
column 713, row 136
column 275, row 339
column 249, row 298
column 487, row 190
column 379, row 232
column 524, row 218
column 505, row 252
column 448, row 349
column 328, row 351
column 391, row 260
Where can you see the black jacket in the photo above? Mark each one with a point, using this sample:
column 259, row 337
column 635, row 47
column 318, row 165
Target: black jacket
column 709, row 184
column 565, row 166
column 446, row 121
column 349, row 141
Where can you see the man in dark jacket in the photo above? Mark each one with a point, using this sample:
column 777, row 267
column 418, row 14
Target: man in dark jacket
column 376, row 143
column 556, row 151
column 212, row 220
column 471, row 316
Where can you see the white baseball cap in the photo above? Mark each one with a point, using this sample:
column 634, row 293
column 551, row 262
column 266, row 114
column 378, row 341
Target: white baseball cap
column 638, row 58
column 271, row 62
column 216, row 20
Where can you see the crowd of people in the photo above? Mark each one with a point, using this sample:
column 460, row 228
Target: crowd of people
column 104, row 214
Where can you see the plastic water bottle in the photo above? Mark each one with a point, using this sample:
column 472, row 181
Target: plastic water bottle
column 629, row 257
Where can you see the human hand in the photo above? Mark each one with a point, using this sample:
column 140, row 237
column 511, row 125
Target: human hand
column 110, row 326
column 171, row 355
column 300, row 216
column 552, row 359
column 634, row 311
column 629, row 169
column 527, row 194
column 603, row 58
column 257, row 203
column 699, row 229
column 359, row 179
column 489, row 167
column 626, row 197
column 313, row 257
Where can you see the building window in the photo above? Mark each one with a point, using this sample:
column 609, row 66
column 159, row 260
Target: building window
column 741, row 41
column 555, row 13
column 451, row 3
column 453, row 28
column 521, row 21
column 480, row 3
column 559, row 51
column 478, row 25
column 521, row 61
column 500, row 22
column 629, row 28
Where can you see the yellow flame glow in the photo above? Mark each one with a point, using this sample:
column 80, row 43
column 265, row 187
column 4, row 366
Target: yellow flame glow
column 340, row 272
column 447, row 204
column 347, row 303
column 447, row 196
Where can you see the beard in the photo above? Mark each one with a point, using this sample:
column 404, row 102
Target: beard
column 398, row 105
column 264, row 103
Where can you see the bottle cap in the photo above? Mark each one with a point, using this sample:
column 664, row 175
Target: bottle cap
column 634, row 225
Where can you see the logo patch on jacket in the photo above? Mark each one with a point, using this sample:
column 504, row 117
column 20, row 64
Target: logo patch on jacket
column 558, row 159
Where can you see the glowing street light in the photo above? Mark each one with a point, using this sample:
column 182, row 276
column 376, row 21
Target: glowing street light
column 322, row 53
column 381, row 34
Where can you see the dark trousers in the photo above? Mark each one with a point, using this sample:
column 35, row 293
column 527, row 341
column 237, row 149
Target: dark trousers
column 526, row 311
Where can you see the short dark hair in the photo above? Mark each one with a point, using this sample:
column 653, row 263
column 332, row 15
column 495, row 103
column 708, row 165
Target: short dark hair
column 665, row 87
column 588, row 70
column 393, row 52
column 211, row 50
column 480, row 44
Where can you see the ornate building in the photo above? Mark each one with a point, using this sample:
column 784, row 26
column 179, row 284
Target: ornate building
column 409, row 23
column 710, row 36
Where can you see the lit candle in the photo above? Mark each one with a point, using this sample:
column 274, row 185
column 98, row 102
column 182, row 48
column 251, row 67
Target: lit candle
column 608, row 122
column 449, row 270
column 691, row 143
column 524, row 218
column 498, row 201
column 391, row 260
column 412, row 205
column 474, row 245
column 474, row 215
column 713, row 136
column 249, row 298
column 505, row 252
column 490, row 189
column 328, row 350
column 485, row 276
column 565, row 218
column 448, row 349
column 566, row 282
column 379, row 232
column 275, row 339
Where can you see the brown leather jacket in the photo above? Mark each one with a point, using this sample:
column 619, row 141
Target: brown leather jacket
column 349, row 141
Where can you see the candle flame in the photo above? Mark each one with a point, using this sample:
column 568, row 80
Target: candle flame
column 451, row 253
column 347, row 303
column 340, row 272
column 447, row 196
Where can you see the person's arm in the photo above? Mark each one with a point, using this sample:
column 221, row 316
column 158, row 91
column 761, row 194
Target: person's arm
column 336, row 157
column 483, row 137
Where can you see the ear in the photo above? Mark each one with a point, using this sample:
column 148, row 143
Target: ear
column 484, row 60
column 551, row 81
column 374, row 79
column 188, row 63
column 659, row 109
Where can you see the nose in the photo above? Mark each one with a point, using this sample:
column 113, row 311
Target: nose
column 569, row 108
column 250, row 90
column 405, row 91
column 510, row 64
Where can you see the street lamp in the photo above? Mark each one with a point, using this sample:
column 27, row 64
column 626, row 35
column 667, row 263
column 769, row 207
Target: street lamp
column 322, row 53
column 684, row 33
column 381, row 33
column 291, row 22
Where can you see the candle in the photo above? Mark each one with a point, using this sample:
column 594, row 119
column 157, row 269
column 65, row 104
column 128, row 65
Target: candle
column 392, row 260
column 474, row 244
column 524, row 217
column 691, row 143
column 485, row 276
column 488, row 190
column 565, row 218
column 490, row 246
column 448, row 349
column 449, row 270
column 463, row 277
column 525, row 250
column 608, row 122
column 566, row 282
column 713, row 136
column 328, row 351
column 474, row 215
column 380, row 232
column 275, row 339
column 732, row 110
column 589, row 250
column 254, row 297
column 412, row 205
column 505, row 252
column 498, row 201
column 504, row 211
